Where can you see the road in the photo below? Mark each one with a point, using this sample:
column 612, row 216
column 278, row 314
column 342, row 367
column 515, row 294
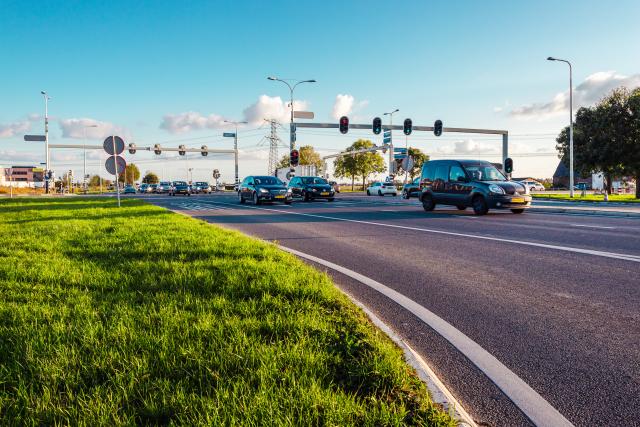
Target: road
column 554, row 297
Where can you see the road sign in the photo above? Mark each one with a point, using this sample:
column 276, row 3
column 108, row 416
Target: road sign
column 35, row 138
column 108, row 145
column 407, row 163
column 399, row 155
column 303, row 114
column 110, row 164
column 387, row 136
column 229, row 135
column 400, row 150
column 216, row 174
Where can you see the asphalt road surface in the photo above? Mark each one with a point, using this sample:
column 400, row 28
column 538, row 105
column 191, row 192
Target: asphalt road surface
column 554, row 297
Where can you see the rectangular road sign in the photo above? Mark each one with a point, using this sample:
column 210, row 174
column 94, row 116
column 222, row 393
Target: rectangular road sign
column 229, row 135
column 303, row 114
column 387, row 133
column 399, row 156
column 35, row 138
column 399, row 150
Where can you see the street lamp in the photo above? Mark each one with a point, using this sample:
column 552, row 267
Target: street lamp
column 570, row 121
column 390, row 114
column 46, row 137
column 291, row 89
column 235, row 144
column 84, row 153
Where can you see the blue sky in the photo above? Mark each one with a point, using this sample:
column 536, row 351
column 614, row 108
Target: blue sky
column 133, row 67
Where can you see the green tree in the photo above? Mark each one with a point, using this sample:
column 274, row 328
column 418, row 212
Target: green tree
column 130, row 175
column 419, row 159
column 150, row 178
column 631, row 144
column 361, row 164
column 308, row 156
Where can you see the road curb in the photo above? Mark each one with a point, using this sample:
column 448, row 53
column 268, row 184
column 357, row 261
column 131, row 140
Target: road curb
column 618, row 214
column 438, row 391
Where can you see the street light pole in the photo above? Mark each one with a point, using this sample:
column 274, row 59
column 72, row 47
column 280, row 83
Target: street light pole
column 46, row 138
column 291, row 89
column 235, row 146
column 571, row 173
column 390, row 114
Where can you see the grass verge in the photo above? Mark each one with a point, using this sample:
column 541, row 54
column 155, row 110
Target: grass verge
column 141, row 316
column 626, row 198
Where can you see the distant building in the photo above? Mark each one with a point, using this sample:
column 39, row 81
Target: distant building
column 21, row 176
column 561, row 177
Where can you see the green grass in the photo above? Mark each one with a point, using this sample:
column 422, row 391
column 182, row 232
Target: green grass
column 140, row 316
column 627, row 198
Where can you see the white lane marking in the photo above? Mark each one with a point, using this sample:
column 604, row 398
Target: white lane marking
column 534, row 406
column 626, row 257
column 593, row 226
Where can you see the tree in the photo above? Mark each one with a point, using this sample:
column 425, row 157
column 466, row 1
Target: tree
column 130, row 175
column 94, row 181
column 361, row 164
column 308, row 156
column 631, row 145
column 150, row 178
column 419, row 158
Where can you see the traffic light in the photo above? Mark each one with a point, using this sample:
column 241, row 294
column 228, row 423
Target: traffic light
column 157, row 149
column 204, row 153
column 377, row 125
column 408, row 126
column 132, row 148
column 437, row 128
column 344, row 124
column 181, row 150
column 294, row 158
column 508, row 165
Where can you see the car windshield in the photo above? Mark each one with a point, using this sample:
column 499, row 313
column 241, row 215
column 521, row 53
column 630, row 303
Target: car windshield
column 179, row 183
column 484, row 173
column 202, row 183
column 313, row 180
column 267, row 180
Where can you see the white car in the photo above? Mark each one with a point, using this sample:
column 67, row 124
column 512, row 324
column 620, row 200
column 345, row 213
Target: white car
column 532, row 185
column 382, row 188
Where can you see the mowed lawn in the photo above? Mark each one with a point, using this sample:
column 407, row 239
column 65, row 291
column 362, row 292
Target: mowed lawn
column 141, row 316
column 627, row 198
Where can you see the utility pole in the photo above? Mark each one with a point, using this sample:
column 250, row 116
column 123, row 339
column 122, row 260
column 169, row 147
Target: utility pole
column 235, row 146
column 274, row 140
column 46, row 138
column 391, row 159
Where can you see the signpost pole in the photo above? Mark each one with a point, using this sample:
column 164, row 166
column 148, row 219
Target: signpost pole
column 113, row 139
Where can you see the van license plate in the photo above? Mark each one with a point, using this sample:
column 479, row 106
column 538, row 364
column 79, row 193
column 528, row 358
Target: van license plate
column 325, row 193
column 517, row 200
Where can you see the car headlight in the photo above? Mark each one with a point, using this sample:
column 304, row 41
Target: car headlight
column 264, row 190
column 496, row 189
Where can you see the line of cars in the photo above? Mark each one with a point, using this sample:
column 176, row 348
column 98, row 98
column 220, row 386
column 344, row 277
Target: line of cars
column 265, row 188
column 171, row 188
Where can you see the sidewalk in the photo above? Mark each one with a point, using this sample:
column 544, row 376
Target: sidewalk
column 603, row 208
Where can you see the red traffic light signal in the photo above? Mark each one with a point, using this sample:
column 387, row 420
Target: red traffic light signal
column 437, row 128
column 344, row 124
column 377, row 125
column 294, row 158
column 408, row 126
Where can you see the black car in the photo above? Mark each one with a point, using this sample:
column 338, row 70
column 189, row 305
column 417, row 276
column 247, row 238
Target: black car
column 263, row 188
column 179, row 187
column 311, row 187
column 474, row 183
column 411, row 189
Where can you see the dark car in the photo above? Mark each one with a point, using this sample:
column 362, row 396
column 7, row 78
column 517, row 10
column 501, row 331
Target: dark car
column 411, row 189
column 263, row 189
column 129, row 189
column 202, row 187
column 179, row 187
column 335, row 185
column 311, row 187
column 470, row 183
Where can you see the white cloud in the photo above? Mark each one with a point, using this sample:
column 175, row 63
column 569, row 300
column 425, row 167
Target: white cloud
column 587, row 93
column 345, row 105
column 84, row 128
column 18, row 127
column 188, row 121
column 469, row 146
column 272, row 108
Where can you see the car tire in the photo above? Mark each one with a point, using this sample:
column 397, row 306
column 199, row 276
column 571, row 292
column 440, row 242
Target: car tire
column 380, row 193
column 368, row 193
column 305, row 196
column 480, row 205
column 330, row 199
column 427, row 203
column 517, row 211
column 405, row 195
column 256, row 200
column 240, row 198
column 395, row 194
column 461, row 207
column 287, row 202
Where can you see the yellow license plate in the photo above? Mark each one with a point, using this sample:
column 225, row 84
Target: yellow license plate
column 326, row 193
column 279, row 197
column 517, row 200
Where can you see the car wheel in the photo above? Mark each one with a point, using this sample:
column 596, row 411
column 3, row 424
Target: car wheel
column 240, row 198
column 305, row 196
column 189, row 194
column 480, row 206
column 427, row 203
column 405, row 195
column 380, row 193
column 461, row 207
column 395, row 194
column 368, row 193
column 517, row 211
column 287, row 202
column 256, row 200
column 330, row 199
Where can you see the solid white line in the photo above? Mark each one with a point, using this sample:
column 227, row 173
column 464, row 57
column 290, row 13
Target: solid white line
column 534, row 406
column 593, row 226
column 625, row 257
